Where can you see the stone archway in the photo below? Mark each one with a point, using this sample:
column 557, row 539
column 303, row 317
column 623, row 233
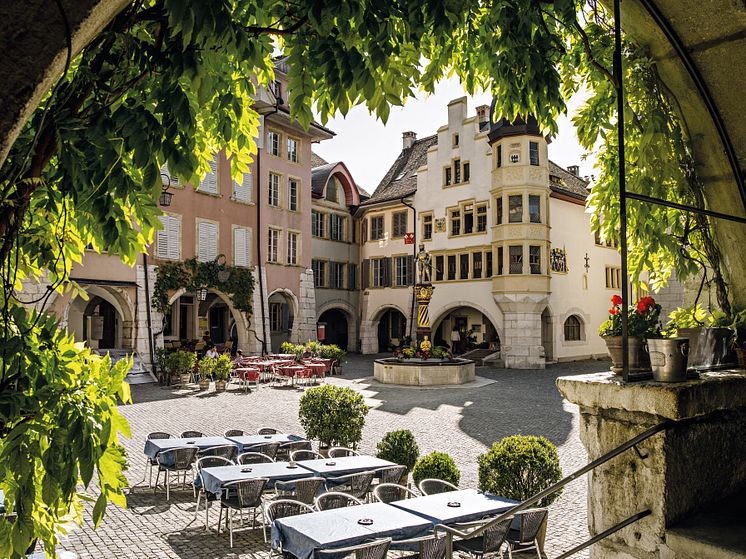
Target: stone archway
column 283, row 310
column 105, row 320
column 465, row 317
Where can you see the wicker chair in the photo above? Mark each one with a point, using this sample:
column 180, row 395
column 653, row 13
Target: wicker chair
column 226, row 451
column 431, row 486
column 373, row 550
column 491, row 540
column 283, row 508
column 175, row 460
column 270, row 449
column 428, row 547
column 525, row 537
column 241, row 495
column 335, row 500
column 303, row 490
column 390, row 492
column 253, row 458
column 233, row 433
column 267, row 431
column 151, row 463
column 341, row 452
column 298, row 455
column 207, row 462
column 283, row 452
column 392, row 474
column 356, row 485
column 191, row 434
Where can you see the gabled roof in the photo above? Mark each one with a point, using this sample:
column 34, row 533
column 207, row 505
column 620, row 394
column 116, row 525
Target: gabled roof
column 320, row 176
column 401, row 179
column 564, row 182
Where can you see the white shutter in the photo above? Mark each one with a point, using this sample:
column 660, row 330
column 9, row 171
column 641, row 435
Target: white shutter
column 209, row 184
column 242, row 190
column 162, row 237
column 207, row 241
column 168, row 239
column 242, row 247
column 174, row 178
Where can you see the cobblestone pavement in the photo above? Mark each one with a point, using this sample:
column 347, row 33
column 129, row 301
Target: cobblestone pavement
column 460, row 421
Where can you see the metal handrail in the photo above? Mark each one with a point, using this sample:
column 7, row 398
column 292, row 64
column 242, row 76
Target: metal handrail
column 601, row 535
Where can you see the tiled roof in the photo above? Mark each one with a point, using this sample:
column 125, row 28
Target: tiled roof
column 319, row 176
column 401, row 179
column 564, row 182
column 317, row 160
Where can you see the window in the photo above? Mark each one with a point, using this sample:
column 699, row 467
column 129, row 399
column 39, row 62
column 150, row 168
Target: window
column 293, row 195
column 476, row 265
column 451, row 266
column 319, row 273
column 533, row 153
column 488, row 264
column 293, row 150
column 499, row 156
column 399, row 224
column 534, row 259
column 292, row 248
column 273, row 246
column 317, row 224
column 439, row 261
column 499, row 205
column 468, row 219
column 207, row 241
column 482, row 218
column 242, row 247
column 467, row 171
column 457, row 171
column 463, row 266
column 331, row 190
column 273, row 191
column 379, row 272
column 597, row 237
column 427, row 227
column 455, row 140
column 275, row 317
column 573, row 329
column 351, row 276
column 376, row 228
column 168, row 239
column 277, row 89
column 515, row 209
column 500, row 261
column 534, row 208
column 209, row 184
column 364, row 231
column 242, row 190
column 447, row 176
column 516, row 259
column 613, row 277
column 455, row 222
column 401, row 276
column 336, row 227
column 273, row 143
column 336, row 275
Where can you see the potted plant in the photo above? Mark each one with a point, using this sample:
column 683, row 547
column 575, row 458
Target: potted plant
column 333, row 415
column 710, row 335
column 436, row 465
column 182, row 364
column 642, row 321
column 206, row 367
column 222, row 372
column 401, row 448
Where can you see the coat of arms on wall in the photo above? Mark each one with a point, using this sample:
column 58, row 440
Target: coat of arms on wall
column 558, row 260
column 440, row 225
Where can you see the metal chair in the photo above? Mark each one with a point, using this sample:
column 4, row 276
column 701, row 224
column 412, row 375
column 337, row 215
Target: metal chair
column 267, row 431
column 207, row 462
column 303, row 490
column 269, row 449
column 525, row 537
column 376, row 549
column 191, row 434
column 428, row 547
column 240, row 495
column 284, row 450
column 283, row 508
column 390, row 492
column 341, row 451
column 431, row 486
column 151, row 463
column 226, row 451
column 233, row 433
column 392, row 474
column 335, row 500
column 490, row 541
column 356, row 485
column 298, row 455
column 179, row 459
column 253, row 458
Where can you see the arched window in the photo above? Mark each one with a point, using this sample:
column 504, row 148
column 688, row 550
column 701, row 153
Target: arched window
column 331, row 190
column 573, row 329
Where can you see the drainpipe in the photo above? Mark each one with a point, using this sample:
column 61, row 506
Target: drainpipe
column 413, row 331
column 148, row 310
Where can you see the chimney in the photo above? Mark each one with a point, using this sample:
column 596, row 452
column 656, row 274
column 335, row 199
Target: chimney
column 483, row 113
column 408, row 138
column 574, row 169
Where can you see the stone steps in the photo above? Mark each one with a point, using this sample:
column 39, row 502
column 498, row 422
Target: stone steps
column 479, row 356
column 138, row 374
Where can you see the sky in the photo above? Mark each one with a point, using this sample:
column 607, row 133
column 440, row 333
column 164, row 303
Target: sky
column 368, row 147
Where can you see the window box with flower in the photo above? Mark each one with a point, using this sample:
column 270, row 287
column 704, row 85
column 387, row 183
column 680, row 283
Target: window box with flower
column 642, row 323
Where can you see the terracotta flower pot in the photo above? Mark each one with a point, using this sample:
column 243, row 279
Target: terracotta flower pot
column 634, row 352
column 220, row 386
column 184, row 378
column 204, row 384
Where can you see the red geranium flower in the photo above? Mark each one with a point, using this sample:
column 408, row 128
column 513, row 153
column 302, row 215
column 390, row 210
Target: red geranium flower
column 616, row 300
column 647, row 301
column 613, row 310
column 641, row 307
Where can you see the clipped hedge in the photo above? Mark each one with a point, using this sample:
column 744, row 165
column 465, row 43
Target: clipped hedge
column 399, row 447
column 520, row 466
column 436, row 465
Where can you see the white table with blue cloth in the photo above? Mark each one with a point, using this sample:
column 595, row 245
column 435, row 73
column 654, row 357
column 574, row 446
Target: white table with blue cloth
column 465, row 505
column 215, row 478
column 302, row 535
column 333, row 467
column 154, row 446
column 245, row 442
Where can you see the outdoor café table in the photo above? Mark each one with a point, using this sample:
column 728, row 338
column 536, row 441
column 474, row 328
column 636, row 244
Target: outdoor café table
column 290, row 371
column 332, row 467
column 215, row 478
column 154, row 446
column 245, row 442
column 301, row 535
column 247, row 374
column 284, row 355
column 441, row 508
column 318, row 369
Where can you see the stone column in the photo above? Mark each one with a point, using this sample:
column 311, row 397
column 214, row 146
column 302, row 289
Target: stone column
column 256, row 328
column 304, row 326
column 521, row 347
column 697, row 462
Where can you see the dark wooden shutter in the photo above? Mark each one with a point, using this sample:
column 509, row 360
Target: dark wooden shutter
column 365, row 276
column 351, row 276
column 410, row 269
column 387, row 272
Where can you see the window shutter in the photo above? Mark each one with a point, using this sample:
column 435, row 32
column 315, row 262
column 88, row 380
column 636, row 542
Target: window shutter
column 365, row 275
column 162, row 238
column 207, row 241
column 174, row 237
column 351, row 276
column 387, row 272
column 410, row 269
column 242, row 190
column 242, row 247
column 209, row 184
column 285, row 317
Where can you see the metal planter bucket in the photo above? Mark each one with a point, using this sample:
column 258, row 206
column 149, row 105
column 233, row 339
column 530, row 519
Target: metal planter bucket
column 668, row 358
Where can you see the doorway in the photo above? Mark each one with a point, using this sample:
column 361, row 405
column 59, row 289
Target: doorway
column 336, row 327
column 547, row 335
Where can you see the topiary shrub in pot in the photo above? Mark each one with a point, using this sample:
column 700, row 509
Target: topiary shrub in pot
column 222, row 372
column 399, row 447
column 182, row 364
column 436, row 465
column 333, row 415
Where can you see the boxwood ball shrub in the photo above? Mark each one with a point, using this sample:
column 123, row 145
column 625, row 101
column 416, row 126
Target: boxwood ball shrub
column 520, row 466
column 436, row 465
column 399, row 447
column 334, row 415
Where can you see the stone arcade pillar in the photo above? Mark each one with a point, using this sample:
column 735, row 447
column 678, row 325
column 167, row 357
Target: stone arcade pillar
column 688, row 467
column 521, row 346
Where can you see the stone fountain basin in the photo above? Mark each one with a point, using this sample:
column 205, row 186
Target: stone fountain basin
column 423, row 372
